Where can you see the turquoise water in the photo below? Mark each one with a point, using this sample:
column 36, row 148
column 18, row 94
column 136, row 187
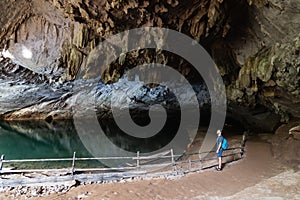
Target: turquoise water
column 24, row 140
column 60, row 139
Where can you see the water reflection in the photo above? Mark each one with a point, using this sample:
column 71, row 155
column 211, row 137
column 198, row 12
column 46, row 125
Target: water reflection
column 39, row 139
column 59, row 139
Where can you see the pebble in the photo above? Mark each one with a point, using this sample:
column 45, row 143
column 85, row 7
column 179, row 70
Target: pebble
column 84, row 195
column 39, row 191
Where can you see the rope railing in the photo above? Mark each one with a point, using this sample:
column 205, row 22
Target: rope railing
column 171, row 160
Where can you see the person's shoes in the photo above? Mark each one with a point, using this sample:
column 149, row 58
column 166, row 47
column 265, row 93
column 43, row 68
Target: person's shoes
column 218, row 169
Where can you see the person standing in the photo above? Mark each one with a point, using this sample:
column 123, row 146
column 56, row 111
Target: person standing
column 219, row 149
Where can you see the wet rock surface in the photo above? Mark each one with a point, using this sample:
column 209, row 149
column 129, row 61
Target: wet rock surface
column 50, row 102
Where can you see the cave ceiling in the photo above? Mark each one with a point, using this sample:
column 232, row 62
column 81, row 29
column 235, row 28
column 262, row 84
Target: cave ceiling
column 255, row 44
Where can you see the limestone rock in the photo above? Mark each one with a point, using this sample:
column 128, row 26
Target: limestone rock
column 49, row 43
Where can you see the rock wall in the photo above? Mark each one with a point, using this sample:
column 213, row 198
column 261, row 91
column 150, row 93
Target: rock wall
column 52, row 34
column 267, row 54
column 255, row 44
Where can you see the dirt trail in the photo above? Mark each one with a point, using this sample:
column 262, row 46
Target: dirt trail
column 258, row 165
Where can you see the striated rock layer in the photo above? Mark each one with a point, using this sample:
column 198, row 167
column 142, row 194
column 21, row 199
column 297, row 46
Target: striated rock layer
column 46, row 44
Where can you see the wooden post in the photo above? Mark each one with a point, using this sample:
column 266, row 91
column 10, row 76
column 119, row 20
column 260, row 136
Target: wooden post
column 200, row 161
column 243, row 143
column 137, row 159
column 244, row 139
column 173, row 160
column 73, row 162
column 1, row 159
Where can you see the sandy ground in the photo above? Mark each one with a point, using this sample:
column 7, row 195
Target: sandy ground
column 257, row 166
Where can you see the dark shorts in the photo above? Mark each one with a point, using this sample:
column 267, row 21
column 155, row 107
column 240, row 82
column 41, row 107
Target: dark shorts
column 220, row 153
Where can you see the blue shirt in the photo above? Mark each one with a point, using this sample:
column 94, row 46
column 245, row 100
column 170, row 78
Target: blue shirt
column 219, row 140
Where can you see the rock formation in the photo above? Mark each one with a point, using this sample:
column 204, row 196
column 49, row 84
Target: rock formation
column 45, row 45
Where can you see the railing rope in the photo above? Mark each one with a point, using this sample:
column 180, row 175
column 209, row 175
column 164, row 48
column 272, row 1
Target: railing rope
column 175, row 161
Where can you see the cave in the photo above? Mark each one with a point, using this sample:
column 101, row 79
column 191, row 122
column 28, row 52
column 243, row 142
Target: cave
column 51, row 46
column 121, row 63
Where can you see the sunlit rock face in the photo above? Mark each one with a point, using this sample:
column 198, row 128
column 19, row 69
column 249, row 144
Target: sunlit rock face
column 45, row 45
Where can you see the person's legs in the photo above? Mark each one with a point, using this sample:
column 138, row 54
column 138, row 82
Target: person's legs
column 220, row 162
column 219, row 155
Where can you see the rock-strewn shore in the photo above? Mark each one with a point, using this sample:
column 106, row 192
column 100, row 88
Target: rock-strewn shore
column 29, row 192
